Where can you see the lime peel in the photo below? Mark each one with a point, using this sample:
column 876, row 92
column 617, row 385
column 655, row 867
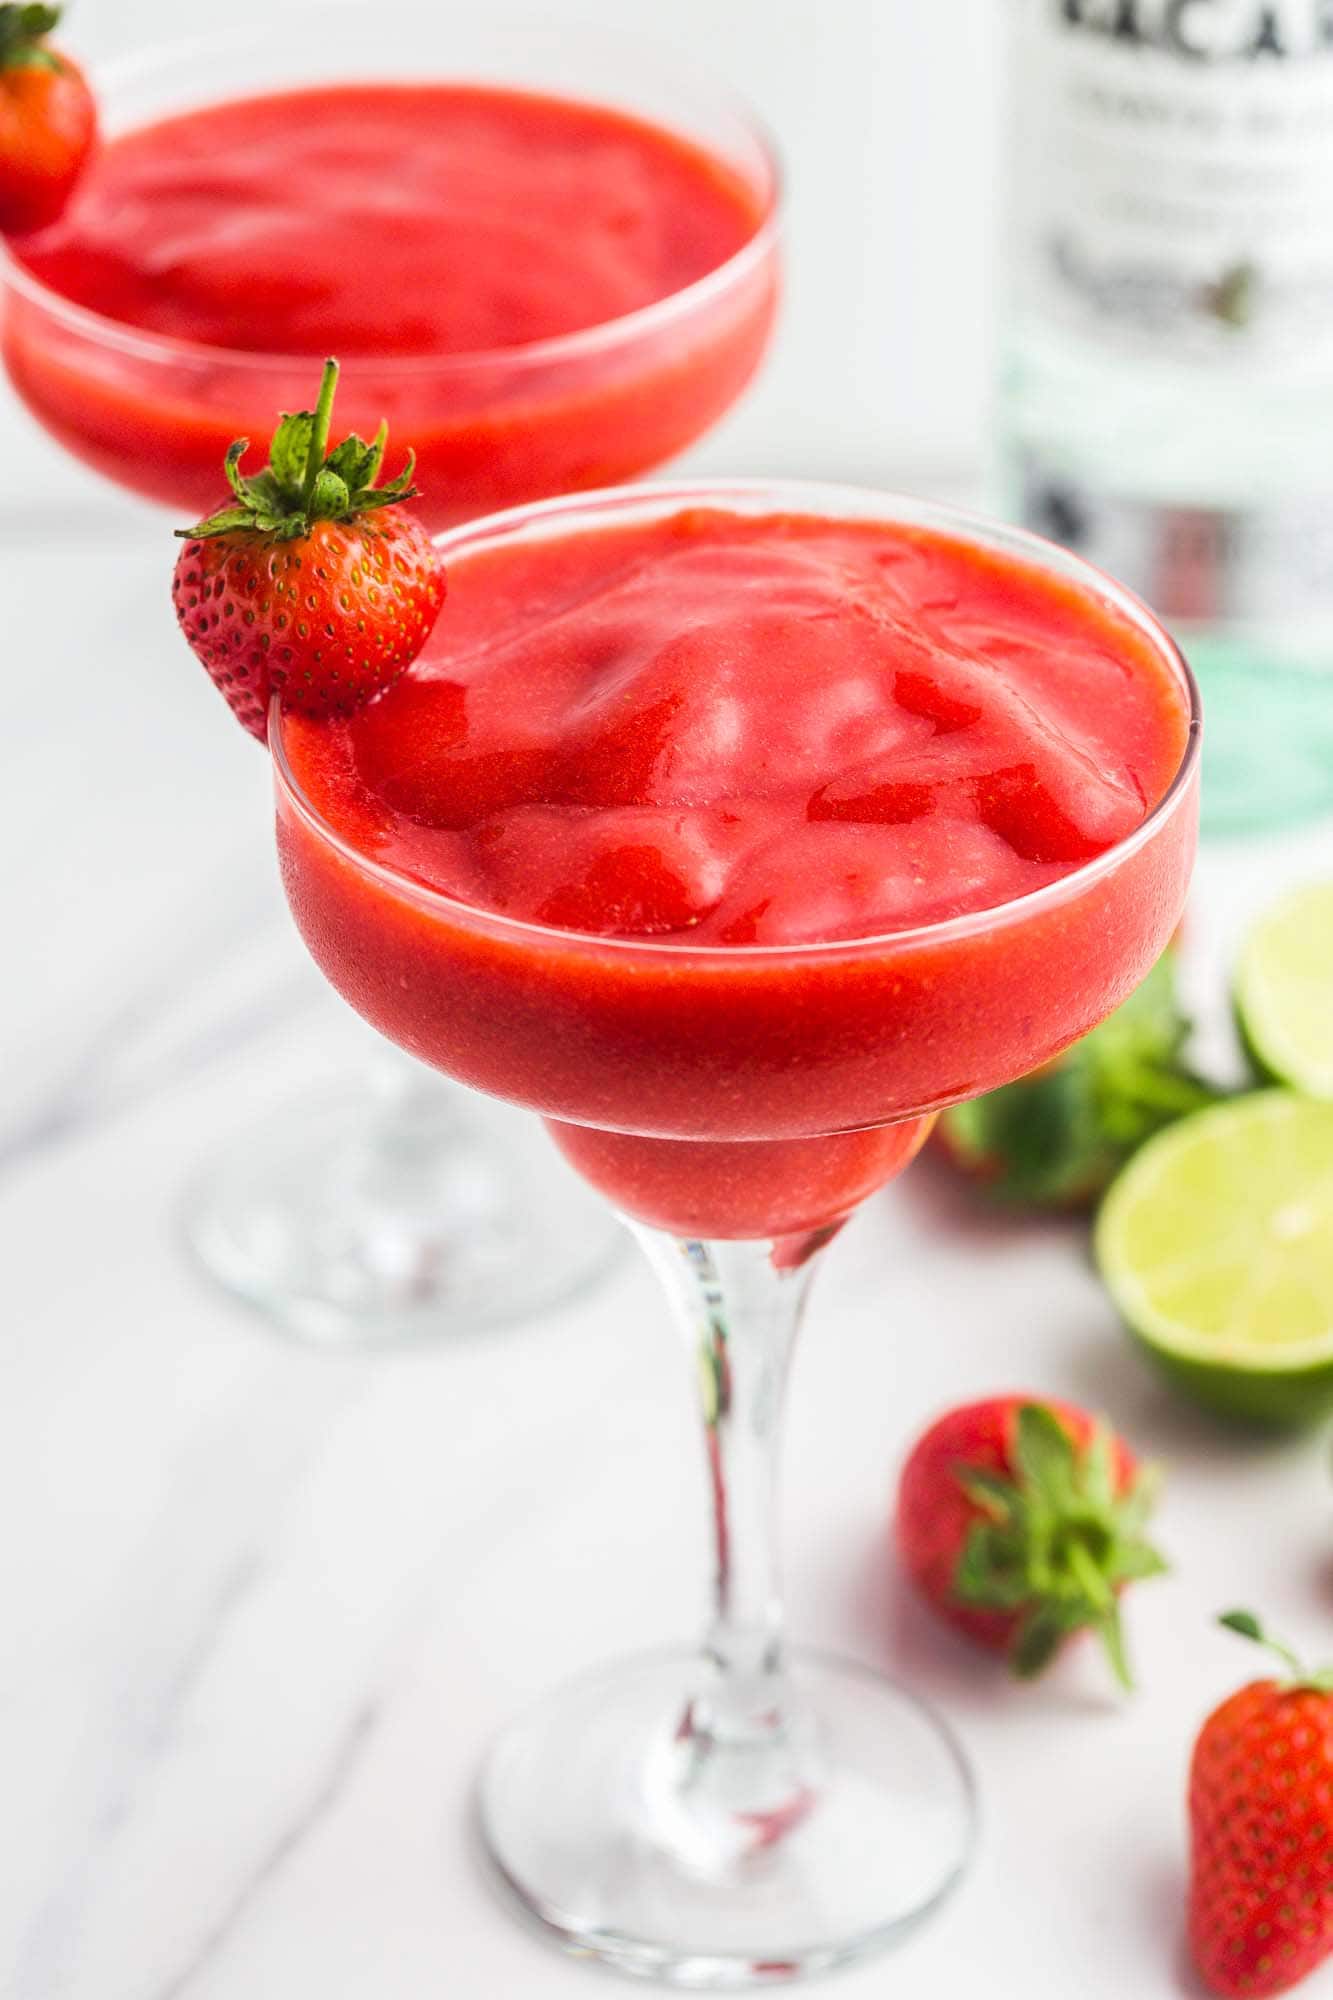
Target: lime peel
column 1216, row 1244
column 1284, row 991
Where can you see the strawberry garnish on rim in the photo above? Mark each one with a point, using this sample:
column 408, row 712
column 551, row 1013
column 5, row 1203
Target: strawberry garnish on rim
column 314, row 582
column 48, row 120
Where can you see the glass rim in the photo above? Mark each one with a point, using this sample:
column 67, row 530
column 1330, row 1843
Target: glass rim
column 550, row 351
column 832, row 502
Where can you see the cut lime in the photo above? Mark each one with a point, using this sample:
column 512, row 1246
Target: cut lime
column 1216, row 1243
column 1284, row 990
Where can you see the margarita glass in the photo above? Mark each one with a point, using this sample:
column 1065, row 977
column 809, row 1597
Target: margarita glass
column 741, row 1814
column 387, row 1210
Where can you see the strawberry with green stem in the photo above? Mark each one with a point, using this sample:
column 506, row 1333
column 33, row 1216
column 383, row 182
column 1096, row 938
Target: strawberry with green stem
column 48, row 120
column 314, row 582
column 1261, row 1829
column 1021, row 1522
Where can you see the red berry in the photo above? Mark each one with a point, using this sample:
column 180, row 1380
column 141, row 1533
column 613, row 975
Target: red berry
column 48, row 121
column 1261, row 1831
column 1020, row 1521
column 329, row 618
column 314, row 585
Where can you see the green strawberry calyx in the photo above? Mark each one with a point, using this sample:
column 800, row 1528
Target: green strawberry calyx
column 304, row 481
column 1057, row 1138
column 1248, row 1626
column 1057, row 1541
column 21, row 31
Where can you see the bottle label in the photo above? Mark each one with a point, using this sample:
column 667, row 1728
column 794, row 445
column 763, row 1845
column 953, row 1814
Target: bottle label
column 1174, row 173
column 1267, row 567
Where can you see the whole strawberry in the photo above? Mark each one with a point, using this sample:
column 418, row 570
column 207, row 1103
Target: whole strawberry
column 1021, row 1521
column 314, row 583
column 48, row 120
column 1261, row 1830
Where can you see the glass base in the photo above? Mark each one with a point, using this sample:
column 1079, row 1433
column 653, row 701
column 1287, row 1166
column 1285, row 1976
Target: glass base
column 595, row 1834
column 355, row 1220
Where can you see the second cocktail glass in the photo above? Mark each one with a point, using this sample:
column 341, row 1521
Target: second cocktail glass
column 398, row 1209
column 743, row 1814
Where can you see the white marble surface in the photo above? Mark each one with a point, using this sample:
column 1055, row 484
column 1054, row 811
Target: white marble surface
column 263, row 1607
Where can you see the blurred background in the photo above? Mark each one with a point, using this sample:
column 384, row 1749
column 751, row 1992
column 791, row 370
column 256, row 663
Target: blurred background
column 883, row 358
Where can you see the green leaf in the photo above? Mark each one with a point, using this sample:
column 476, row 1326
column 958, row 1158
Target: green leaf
column 1097, row 1472
column 291, row 447
column 1091, row 1580
column 304, row 481
column 370, row 472
column 1113, row 1644
column 27, row 23
column 1133, row 1561
column 265, row 493
column 382, row 497
column 1044, row 1454
column 1135, row 1508
column 351, row 460
column 994, row 1494
column 359, row 463
column 1039, row 1639
column 1054, row 1545
column 1248, row 1626
column 21, row 32
column 236, row 451
column 400, row 488
column 991, row 1573
column 223, row 523
column 328, row 502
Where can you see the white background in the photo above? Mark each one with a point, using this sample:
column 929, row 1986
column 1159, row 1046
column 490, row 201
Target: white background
column 262, row 1608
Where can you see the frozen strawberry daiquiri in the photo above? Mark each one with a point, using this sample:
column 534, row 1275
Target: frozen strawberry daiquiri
column 548, row 260
column 826, row 771
column 543, row 291
column 738, row 831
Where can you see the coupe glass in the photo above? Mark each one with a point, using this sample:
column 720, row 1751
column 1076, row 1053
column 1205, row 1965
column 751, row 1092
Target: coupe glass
column 394, row 1209
column 740, row 1813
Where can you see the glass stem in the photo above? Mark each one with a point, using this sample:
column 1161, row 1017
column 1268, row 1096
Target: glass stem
column 742, row 1767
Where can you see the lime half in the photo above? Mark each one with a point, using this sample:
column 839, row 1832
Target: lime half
column 1216, row 1243
column 1284, row 990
